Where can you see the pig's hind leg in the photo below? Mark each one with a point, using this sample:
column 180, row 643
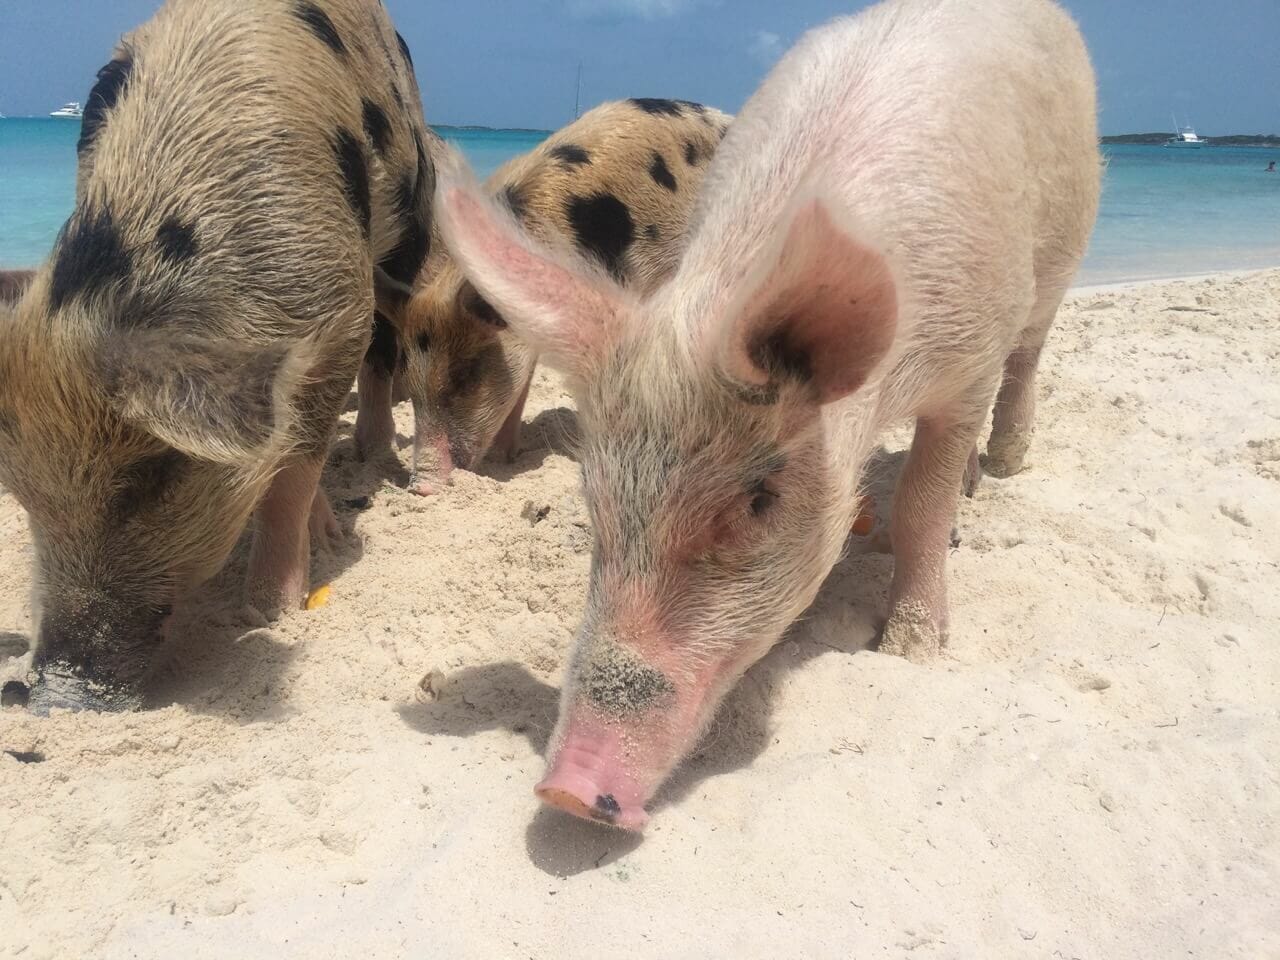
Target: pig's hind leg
column 1015, row 410
column 924, row 511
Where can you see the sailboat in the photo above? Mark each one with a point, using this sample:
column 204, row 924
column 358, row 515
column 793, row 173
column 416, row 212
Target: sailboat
column 1184, row 136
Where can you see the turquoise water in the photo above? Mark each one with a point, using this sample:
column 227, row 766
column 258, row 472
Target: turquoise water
column 1164, row 212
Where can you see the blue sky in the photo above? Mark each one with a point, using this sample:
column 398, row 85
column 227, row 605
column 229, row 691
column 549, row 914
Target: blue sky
column 514, row 62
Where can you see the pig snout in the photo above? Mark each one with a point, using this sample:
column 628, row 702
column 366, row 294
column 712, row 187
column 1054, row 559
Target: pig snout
column 590, row 777
column 625, row 725
column 437, row 453
column 83, row 663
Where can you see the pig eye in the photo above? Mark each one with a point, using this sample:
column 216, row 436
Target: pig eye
column 464, row 373
column 762, row 499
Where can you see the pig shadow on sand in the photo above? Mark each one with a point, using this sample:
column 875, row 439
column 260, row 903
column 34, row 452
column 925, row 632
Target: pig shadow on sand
column 846, row 618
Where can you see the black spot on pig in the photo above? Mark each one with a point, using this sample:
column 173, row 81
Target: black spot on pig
column 146, row 482
column 106, row 92
column 692, row 154
column 657, row 107
column 320, row 24
column 603, row 226
column 423, row 342
column 355, row 176
column 471, row 301
column 383, row 354
column 176, row 241
column 515, row 200
column 695, row 107
column 652, row 232
column 661, row 173
column 404, row 51
column 90, row 256
column 412, row 192
column 377, row 127
column 571, row 155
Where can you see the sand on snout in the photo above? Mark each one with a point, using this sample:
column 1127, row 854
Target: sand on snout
column 1089, row 769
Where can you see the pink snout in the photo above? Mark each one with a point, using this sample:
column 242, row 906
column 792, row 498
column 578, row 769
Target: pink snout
column 434, row 479
column 589, row 780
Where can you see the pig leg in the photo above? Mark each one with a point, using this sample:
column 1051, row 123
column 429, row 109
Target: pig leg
column 375, row 423
column 1015, row 411
column 280, row 563
column 324, row 527
column 924, row 510
column 506, row 444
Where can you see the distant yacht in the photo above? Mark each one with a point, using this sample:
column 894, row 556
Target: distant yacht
column 1184, row 136
column 71, row 111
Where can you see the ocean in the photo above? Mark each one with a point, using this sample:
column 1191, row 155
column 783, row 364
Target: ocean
column 1165, row 213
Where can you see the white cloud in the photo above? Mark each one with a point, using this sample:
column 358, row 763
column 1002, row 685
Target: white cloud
column 766, row 47
column 640, row 9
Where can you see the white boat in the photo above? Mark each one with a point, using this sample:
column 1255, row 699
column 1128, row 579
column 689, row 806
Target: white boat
column 71, row 111
column 1184, row 136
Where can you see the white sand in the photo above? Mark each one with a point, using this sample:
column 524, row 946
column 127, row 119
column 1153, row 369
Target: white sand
column 1089, row 772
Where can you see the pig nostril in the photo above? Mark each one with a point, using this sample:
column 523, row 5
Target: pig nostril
column 607, row 808
column 15, row 693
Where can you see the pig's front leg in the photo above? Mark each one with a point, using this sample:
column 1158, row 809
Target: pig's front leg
column 280, row 563
column 375, row 422
column 924, row 511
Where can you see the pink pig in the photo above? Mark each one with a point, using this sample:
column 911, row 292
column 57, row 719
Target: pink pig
column 887, row 232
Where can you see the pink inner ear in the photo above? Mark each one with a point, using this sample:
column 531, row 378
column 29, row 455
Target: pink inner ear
column 825, row 312
column 552, row 307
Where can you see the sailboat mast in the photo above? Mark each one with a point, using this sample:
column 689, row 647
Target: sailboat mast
column 577, row 102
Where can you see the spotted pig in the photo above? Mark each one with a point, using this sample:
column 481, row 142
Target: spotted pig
column 244, row 171
column 886, row 233
column 616, row 185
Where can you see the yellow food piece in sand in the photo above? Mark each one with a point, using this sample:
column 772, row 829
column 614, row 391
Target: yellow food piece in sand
column 319, row 597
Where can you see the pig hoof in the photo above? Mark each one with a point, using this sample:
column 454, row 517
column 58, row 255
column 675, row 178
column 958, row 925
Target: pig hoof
column 912, row 634
column 423, row 487
column 325, row 530
column 15, row 693
column 1002, row 468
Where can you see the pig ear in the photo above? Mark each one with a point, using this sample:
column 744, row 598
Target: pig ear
column 821, row 309
column 562, row 308
column 213, row 401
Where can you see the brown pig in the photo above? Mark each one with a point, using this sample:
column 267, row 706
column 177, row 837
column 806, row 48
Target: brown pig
column 617, row 184
column 244, row 170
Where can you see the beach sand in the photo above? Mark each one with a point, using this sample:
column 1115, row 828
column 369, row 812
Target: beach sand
column 1089, row 771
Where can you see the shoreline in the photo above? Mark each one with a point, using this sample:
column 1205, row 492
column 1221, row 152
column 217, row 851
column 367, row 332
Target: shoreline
column 1129, row 286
